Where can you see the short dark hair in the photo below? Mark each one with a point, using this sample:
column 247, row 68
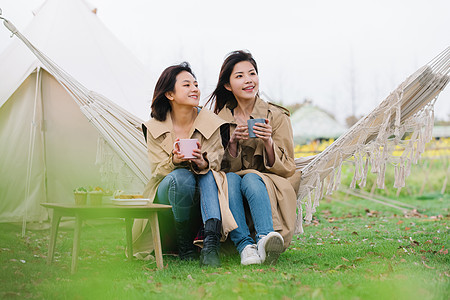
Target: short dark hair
column 166, row 83
column 221, row 96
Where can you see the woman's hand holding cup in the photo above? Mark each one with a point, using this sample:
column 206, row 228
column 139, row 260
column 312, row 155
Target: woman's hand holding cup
column 178, row 157
column 188, row 149
column 253, row 129
column 198, row 159
column 260, row 128
column 240, row 133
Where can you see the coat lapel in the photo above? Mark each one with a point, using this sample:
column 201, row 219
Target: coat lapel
column 164, row 129
column 260, row 110
column 206, row 123
column 226, row 115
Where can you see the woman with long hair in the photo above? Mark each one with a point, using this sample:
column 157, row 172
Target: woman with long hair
column 185, row 183
column 260, row 169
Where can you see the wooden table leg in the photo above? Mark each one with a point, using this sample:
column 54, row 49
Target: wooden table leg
column 156, row 239
column 76, row 243
column 54, row 232
column 128, row 233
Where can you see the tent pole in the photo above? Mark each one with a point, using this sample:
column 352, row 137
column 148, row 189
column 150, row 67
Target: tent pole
column 30, row 154
column 43, row 130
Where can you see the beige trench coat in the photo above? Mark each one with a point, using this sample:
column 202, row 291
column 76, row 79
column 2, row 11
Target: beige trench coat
column 281, row 179
column 160, row 140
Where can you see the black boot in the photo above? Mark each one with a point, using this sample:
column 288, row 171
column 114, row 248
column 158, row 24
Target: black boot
column 186, row 248
column 210, row 252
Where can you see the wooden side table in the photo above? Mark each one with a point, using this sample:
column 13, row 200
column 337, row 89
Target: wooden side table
column 83, row 212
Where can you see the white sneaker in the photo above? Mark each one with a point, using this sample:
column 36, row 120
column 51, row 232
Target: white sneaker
column 249, row 256
column 270, row 248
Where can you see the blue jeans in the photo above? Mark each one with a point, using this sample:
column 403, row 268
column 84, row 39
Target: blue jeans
column 179, row 189
column 249, row 188
column 209, row 197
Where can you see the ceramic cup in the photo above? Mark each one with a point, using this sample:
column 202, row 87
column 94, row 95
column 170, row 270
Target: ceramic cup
column 251, row 123
column 186, row 147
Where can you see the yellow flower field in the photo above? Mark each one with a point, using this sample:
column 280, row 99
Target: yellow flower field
column 437, row 148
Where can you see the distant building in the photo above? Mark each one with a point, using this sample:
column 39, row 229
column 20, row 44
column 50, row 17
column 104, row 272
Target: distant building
column 309, row 123
column 441, row 131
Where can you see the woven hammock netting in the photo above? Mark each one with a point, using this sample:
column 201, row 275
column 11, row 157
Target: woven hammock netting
column 370, row 142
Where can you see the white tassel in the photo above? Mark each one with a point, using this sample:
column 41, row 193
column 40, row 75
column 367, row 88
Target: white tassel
column 402, row 177
column 399, row 175
column 366, row 171
column 316, row 196
column 408, row 167
column 421, row 144
column 380, row 178
column 308, row 215
column 353, row 184
column 375, row 159
column 299, row 220
column 383, row 128
column 358, row 166
column 322, row 187
column 429, row 126
column 337, row 180
column 415, row 157
column 330, row 183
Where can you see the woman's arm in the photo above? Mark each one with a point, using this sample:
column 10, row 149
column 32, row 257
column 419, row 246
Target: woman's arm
column 232, row 160
column 283, row 146
column 264, row 132
column 161, row 163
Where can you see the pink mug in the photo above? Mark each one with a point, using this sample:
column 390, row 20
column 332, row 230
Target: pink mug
column 187, row 147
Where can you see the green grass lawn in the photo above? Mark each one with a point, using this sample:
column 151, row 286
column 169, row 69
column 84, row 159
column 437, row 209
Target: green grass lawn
column 354, row 249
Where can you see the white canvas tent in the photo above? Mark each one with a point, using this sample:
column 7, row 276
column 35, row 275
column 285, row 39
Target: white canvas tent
column 47, row 146
column 310, row 122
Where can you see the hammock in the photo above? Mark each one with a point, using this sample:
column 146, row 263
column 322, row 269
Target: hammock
column 371, row 141
column 409, row 108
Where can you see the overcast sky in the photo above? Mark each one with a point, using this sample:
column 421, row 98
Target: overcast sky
column 304, row 49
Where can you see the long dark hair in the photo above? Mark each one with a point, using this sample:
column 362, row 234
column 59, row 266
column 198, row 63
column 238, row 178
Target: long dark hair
column 166, row 83
column 221, row 96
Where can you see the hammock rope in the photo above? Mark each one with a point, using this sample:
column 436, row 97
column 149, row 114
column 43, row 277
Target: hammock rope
column 370, row 142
